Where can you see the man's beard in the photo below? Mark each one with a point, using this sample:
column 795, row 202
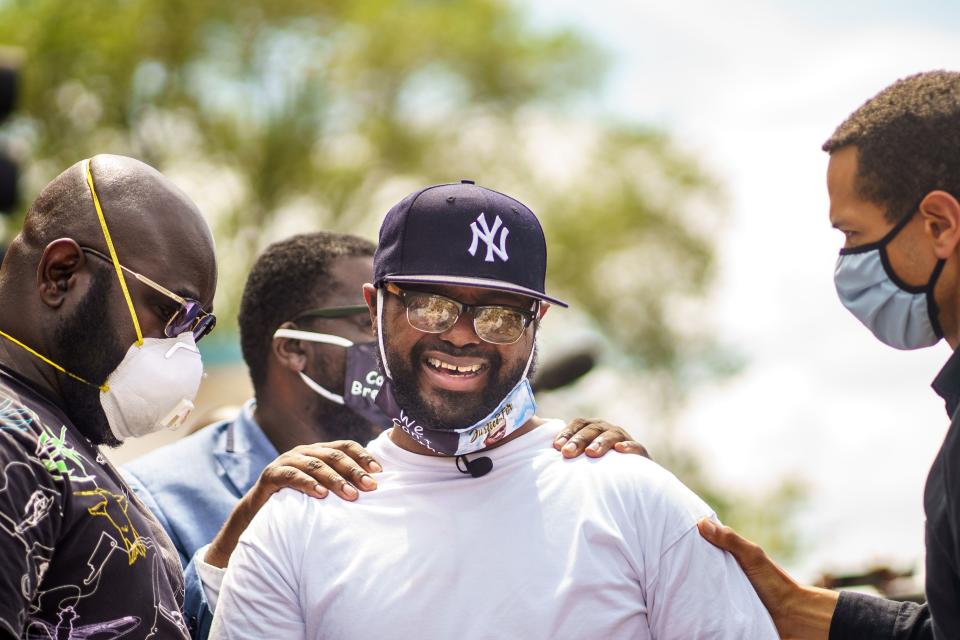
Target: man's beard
column 87, row 344
column 336, row 422
column 451, row 410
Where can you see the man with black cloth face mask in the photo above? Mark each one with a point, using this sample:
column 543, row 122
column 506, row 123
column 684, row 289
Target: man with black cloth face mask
column 305, row 336
column 529, row 546
column 103, row 296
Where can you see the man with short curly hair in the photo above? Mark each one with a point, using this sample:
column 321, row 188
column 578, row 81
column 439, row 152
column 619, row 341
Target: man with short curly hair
column 894, row 185
column 906, row 139
column 305, row 271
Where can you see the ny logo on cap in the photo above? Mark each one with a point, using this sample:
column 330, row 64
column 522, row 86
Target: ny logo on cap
column 489, row 236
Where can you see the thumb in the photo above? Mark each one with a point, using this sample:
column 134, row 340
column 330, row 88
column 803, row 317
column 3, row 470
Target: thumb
column 747, row 554
column 798, row 612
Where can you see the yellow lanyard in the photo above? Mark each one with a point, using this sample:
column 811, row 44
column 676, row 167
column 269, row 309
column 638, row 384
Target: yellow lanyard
column 113, row 254
column 102, row 387
column 123, row 287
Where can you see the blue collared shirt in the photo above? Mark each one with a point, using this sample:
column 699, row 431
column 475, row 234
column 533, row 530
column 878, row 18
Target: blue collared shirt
column 193, row 484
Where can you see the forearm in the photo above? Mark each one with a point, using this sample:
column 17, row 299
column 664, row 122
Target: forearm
column 807, row 614
column 223, row 544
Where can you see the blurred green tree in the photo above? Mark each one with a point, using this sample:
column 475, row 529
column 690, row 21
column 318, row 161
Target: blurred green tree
column 292, row 106
column 289, row 115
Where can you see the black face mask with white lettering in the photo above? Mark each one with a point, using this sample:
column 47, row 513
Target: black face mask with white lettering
column 363, row 384
column 362, row 378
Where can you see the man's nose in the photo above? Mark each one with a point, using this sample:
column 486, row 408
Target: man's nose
column 461, row 333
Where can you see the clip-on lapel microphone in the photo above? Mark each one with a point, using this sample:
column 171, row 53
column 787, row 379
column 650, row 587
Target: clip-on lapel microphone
column 477, row 467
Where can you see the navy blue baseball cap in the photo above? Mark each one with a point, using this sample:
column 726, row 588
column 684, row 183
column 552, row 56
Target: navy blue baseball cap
column 464, row 235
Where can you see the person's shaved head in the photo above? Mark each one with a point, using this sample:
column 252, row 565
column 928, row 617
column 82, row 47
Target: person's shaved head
column 138, row 201
column 69, row 306
column 54, row 212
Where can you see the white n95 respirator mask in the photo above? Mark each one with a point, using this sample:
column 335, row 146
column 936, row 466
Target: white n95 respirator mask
column 153, row 387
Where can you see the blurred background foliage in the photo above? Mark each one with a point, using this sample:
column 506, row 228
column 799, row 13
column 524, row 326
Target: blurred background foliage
column 290, row 116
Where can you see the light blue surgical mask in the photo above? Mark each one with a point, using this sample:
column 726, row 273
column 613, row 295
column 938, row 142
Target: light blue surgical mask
column 899, row 315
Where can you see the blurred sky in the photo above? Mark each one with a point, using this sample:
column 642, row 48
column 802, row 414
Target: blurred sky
column 753, row 89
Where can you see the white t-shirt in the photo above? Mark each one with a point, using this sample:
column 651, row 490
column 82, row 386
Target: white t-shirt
column 540, row 547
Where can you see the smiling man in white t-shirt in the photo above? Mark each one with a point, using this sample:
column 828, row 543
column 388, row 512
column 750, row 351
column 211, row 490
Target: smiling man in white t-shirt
column 478, row 529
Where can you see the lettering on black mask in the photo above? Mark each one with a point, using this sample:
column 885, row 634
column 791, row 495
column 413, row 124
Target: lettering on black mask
column 362, row 378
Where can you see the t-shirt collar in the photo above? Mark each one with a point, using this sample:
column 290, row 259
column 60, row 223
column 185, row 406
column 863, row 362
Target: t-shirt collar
column 384, row 449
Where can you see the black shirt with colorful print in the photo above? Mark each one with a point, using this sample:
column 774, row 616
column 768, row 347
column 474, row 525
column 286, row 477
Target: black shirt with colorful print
column 80, row 556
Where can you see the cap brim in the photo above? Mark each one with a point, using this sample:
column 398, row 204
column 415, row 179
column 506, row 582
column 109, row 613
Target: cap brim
column 484, row 283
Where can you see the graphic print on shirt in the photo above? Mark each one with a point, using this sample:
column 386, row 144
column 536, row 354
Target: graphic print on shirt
column 54, row 608
column 65, row 628
column 13, row 416
column 55, row 453
column 113, row 507
column 37, row 507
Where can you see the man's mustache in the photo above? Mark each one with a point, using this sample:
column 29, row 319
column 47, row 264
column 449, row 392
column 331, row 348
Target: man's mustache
column 467, row 351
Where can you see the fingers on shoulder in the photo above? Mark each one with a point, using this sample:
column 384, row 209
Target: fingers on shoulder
column 582, row 437
column 338, row 451
column 632, row 446
column 294, row 478
column 571, row 428
column 359, row 453
column 745, row 551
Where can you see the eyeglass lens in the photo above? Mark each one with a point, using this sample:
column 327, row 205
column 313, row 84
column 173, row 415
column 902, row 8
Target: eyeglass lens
column 499, row 325
column 436, row 314
column 191, row 317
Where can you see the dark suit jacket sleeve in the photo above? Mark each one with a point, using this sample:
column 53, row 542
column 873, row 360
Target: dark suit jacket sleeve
column 862, row 617
column 151, row 503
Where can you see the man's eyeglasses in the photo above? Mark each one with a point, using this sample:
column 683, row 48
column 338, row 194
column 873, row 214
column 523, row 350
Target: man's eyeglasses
column 334, row 312
column 189, row 317
column 432, row 313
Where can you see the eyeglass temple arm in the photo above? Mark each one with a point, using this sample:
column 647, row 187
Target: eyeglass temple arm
column 142, row 278
column 153, row 285
column 335, row 312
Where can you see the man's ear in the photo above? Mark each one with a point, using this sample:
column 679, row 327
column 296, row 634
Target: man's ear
column 940, row 212
column 370, row 297
column 61, row 262
column 289, row 352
